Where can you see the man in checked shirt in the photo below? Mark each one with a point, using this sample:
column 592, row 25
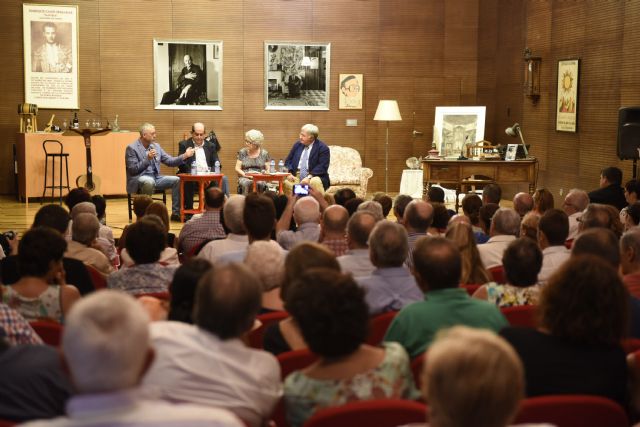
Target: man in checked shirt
column 207, row 226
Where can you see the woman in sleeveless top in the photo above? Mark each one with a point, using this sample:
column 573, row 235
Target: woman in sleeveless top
column 251, row 158
column 41, row 292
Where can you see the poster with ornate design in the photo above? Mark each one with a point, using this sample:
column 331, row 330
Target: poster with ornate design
column 567, row 98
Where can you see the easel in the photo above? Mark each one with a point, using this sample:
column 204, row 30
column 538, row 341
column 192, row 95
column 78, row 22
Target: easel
column 28, row 117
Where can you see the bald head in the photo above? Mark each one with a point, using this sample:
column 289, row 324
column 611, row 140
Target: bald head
column 522, row 203
column 306, row 210
column 575, row 201
column 359, row 228
column 334, row 220
column 85, row 228
column 418, row 216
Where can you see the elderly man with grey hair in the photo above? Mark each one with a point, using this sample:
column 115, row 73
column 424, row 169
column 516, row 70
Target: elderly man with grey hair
column 522, row 203
column 266, row 259
column 333, row 229
column 236, row 239
column 84, row 233
column 356, row 260
column 505, row 227
column 306, row 213
column 391, row 285
column 107, row 348
column 105, row 241
column 143, row 158
column 308, row 161
column 374, row 207
column 575, row 202
column 207, row 363
column 418, row 217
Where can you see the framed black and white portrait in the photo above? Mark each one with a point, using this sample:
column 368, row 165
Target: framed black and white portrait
column 188, row 75
column 296, row 76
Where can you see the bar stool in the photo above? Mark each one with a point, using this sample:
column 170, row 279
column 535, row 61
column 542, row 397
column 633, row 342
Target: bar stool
column 52, row 155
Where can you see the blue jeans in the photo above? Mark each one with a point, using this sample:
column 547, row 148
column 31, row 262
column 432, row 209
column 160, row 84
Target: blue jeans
column 147, row 184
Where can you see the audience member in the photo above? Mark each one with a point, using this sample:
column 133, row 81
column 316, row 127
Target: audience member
column 417, row 219
column 553, row 230
column 575, row 202
column 437, row 272
column 385, row 201
column 472, row 273
column 632, row 191
column 16, row 329
column 529, row 226
column 107, row 349
column 610, row 191
column 160, row 210
column 473, row 378
column 522, row 203
column 601, row 216
column 542, row 200
column 485, row 215
column 237, row 239
column 101, row 208
column 390, row 286
column 435, row 194
column 491, row 193
column 399, row 205
column 333, row 229
column 630, row 260
column 104, row 241
column 205, row 227
column 285, row 335
column 306, row 213
column 183, row 289
column 352, row 205
column 84, row 234
column 505, row 227
column 374, row 207
column 440, row 220
column 207, row 363
column 356, row 260
column 343, row 195
column 41, row 292
column 75, row 196
column 145, row 243
column 522, row 261
column 583, row 317
column 333, row 317
column 168, row 256
column 140, row 204
column 266, row 260
column 471, row 205
column 631, row 216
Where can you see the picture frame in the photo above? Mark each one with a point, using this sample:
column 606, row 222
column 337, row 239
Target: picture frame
column 187, row 74
column 567, row 95
column 50, row 45
column 296, row 75
column 350, row 89
column 454, row 127
column 512, row 150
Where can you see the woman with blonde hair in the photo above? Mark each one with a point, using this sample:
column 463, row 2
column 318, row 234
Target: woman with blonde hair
column 251, row 158
column 473, row 271
column 542, row 200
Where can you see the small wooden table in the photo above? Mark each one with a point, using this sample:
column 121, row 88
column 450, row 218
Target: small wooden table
column 278, row 176
column 203, row 180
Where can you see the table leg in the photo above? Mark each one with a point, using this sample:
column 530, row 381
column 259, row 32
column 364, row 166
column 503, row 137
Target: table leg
column 181, row 200
column 280, row 180
column 254, row 184
column 201, row 185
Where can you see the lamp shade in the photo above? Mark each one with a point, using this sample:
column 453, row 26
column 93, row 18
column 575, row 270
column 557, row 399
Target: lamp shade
column 388, row 111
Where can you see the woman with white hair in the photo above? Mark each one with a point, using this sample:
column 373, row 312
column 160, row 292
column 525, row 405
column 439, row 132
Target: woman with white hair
column 251, row 158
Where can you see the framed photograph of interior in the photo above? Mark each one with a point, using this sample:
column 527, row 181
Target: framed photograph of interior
column 567, row 99
column 455, row 127
column 50, row 42
column 510, row 154
column 350, row 92
column 296, row 75
column 188, row 74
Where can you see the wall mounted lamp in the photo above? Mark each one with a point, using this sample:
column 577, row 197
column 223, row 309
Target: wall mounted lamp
column 532, row 76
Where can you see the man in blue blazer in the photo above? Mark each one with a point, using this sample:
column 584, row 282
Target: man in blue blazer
column 308, row 161
column 143, row 158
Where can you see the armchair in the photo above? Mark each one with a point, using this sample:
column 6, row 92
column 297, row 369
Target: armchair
column 345, row 170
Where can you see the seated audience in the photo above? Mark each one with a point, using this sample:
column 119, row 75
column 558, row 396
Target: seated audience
column 372, row 206
column 437, row 271
column 140, row 204
column 399, row 205
column 505, row 227
column 207, row 226
column 491, row 193
column 237, row 239
column 542, row 200
column 610, row 191
column 84, row 231
column 473, row 378
column 34, row 385
column 352, row 205
column 266, row 260
column 306, row 213
column 485, row 214
column 107, row 349
column 101, row 208
column 333, row 229
column 183, row 289
column 104, row 241
column 207, row 363
column 583, row 317
column 630, row 216
column 575, row 202
column 356, row 260
column 391, row 285
column 333, row 317
column 16, row 329
column 521, row 260
column 630, row 260
column 553, row 230
column 417, row 218
column 160, row 209
column 473, row 273
column 41, row 292
column 522, row 203
column 168, row 256
column 529, row 226
column 145, row 243
column 343, row 195
column 601, row 216
column 440, row 220
column 285, row 335
column 385, row 201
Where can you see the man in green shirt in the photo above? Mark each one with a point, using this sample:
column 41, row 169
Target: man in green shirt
column 437, row 267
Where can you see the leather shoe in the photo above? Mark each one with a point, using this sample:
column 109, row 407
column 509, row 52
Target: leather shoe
column 175, row 217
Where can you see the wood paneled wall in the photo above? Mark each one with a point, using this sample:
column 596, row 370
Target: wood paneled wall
column 421, row 52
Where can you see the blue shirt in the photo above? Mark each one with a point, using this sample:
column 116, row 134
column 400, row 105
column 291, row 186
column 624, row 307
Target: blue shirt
column 389, row 289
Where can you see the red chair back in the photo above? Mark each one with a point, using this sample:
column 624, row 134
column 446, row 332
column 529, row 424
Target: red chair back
column 256, row 336
column 378, row 326
column 572, row 411
column 497, row 273
column 370, row 413
column 471, row 288
column 568, row 244
column 521, row 315
column 631, row 345
column 417, row 365
column 50, row 332
column 98, row 280
column 7, row 423
column 295, row 360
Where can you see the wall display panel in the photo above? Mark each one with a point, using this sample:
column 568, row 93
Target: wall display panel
column 351, row 88
column 455, row 127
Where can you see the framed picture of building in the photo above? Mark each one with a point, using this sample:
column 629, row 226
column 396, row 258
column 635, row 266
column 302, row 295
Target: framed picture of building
column 187, row 74
column 350, row 92
column 567, row 97
column 455, row 127
column 296, row 75
column 50, row 41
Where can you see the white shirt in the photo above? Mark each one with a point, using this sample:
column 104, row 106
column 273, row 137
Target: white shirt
column 357, row 262
column 573, row 225
column 213, row 250
column 491, row 252
column 195, row 366
column 552, row 258
column 201, row 158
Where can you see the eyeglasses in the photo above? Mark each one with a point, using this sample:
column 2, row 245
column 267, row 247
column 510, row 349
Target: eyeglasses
column 353, row 88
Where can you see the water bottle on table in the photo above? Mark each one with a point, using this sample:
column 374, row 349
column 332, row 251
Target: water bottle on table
column 216, row 167
column 272, row 166
column 194, row 168
column 281, row 166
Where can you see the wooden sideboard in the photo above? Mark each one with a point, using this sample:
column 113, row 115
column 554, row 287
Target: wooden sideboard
column 107, row 155
column 457, row 173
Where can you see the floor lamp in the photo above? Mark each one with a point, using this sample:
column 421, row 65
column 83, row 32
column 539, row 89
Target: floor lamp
column 387, row 111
